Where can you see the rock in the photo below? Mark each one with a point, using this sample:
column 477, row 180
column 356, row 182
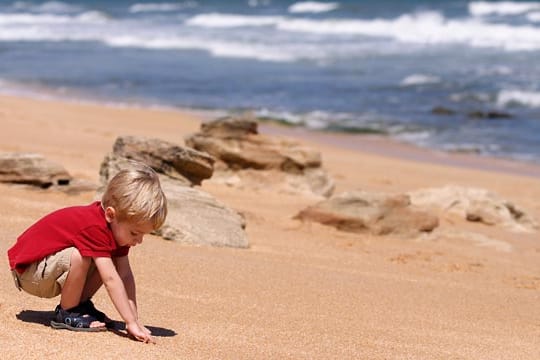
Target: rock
column 194, row 217
column 237, row 145
column 440, row 110
column 166, row 158
column 375, row 213
column 489, row 115
column 197, row 218
column 32, row 169
column 477, row 205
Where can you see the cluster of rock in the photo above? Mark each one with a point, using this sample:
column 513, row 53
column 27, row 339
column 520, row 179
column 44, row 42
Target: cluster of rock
column 195, row 217
column 245, row 158
column 231, row 151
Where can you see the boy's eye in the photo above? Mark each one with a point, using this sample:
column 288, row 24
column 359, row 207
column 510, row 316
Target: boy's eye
column 134, row 233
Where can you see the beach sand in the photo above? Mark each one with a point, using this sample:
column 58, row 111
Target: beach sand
column 302, row 290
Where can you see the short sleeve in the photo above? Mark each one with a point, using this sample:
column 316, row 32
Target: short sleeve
column 95, row 241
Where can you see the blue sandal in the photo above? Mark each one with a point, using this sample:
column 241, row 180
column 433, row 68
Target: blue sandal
column 87, row 307
column 74, row 319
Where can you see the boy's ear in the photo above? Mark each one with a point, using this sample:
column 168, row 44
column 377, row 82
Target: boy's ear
column 110, row 214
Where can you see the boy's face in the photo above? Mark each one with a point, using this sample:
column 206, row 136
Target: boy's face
column 127, row 233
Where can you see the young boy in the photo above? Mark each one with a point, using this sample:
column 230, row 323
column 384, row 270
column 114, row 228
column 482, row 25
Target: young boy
column 60, row 253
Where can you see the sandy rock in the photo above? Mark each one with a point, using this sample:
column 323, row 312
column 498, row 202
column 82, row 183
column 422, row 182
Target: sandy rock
column 376, row 213
column 477, row 205
column 194, row 217
column 166, row 158
column 237, row 145
column 32, row 169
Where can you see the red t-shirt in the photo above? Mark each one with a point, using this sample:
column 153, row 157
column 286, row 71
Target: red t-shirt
column 83, row 227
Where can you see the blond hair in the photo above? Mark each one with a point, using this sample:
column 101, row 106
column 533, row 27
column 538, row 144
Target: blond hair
column 136, row 196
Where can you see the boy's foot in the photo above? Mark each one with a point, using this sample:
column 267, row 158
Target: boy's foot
column 74, row 320
column 88, row 307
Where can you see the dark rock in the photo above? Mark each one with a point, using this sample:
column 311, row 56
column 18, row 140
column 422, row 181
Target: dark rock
column 440, row 110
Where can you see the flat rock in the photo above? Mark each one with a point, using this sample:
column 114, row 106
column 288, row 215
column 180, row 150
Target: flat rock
column 478, row 205
column 32, row 169
column 239, row 149
column 375, row 213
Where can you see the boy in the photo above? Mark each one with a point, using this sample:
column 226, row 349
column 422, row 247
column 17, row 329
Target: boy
column 60, row 253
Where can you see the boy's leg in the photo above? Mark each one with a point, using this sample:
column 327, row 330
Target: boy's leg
column 74, row 285
column 93, row 283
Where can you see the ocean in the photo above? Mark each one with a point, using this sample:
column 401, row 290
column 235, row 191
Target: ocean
column 454, row 75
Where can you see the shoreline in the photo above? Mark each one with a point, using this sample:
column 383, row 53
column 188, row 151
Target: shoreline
column 380, row 145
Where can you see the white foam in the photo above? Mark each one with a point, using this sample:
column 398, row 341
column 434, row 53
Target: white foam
column 419, row 79
column 428, row 28
column 89, row 17
column 217, row 20
column 483, row 8
column 527, row 98
column 312, row 7
column 161, row 7
column 216, row 48
column 534, row 17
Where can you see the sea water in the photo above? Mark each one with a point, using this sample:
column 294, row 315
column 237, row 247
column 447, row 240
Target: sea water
column 455, row 75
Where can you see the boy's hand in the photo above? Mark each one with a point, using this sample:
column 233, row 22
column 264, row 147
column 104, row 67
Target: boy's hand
column 140, row 333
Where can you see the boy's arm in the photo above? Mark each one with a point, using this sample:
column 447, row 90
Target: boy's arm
column 124, row 270
column 119, row 296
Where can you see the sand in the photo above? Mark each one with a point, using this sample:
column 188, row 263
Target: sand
column 301, row 291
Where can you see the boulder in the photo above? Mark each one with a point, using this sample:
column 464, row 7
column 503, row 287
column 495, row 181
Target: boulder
column 194, row 217
column 32, row 169
column 197, row 218
column 375, row 213
column 166, row 158
column 238, row 147
column 477, row 205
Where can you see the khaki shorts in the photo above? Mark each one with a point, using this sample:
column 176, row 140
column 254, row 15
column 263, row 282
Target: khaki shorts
column 45, row 278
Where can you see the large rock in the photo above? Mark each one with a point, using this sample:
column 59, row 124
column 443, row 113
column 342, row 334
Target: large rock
column 32, row 169
column 475, row 204
column 194, row 217
column 166, row 158
column 239, row 148
column 197, row 218
column 375, row 213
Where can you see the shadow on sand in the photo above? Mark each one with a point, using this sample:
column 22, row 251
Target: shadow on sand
column 45, row 317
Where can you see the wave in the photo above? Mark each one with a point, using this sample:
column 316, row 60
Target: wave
column 518, row 97
column 217, row 20
column 419, row 79
column 215, row 48
column 483, row 8
column 95, row 17
column 312, row 7
column 425, row 28
column 161, row 7
column 47, row 7
column 534, row 17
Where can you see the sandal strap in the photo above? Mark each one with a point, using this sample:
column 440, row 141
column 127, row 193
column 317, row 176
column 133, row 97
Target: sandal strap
column 73, row 318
